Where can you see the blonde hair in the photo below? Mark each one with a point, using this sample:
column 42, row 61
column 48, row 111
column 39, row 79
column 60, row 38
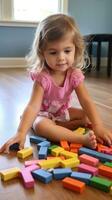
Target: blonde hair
column 51, row 29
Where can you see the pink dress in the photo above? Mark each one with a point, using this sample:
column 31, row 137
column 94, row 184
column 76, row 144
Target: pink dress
column 57, row 99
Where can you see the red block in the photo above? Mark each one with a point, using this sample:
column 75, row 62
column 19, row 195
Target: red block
column 73, row 184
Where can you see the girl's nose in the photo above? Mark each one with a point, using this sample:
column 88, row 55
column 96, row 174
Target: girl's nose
column 61, row 56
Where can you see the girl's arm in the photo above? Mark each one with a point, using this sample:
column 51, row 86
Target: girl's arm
column 102, row 133
column 27, row 119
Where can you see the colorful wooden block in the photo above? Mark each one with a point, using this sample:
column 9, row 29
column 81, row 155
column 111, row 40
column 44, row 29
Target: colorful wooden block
column 31, row 162
column 44, row 144
column 42, row 153
column 52, row 147
column 64, row 144
column 14, row 147
column 73, row 184
column 109, row 164
column 68, row 154
column 27, row 178
column 75, row 146
column 105, row 171
column 42, row 175
column 71, row 162
column 101, row 156
column 9, row 174
column 25, row 152
column 56, row 151
column 31, row 168
column 79, row 130
column 87, row 168
column 100, row 183
column 84, row 177
column 61, row 173
column 52, row 163
column 90, row 160
column 36, row 139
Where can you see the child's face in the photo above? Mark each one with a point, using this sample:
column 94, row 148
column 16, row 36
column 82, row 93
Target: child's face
column 59, row 55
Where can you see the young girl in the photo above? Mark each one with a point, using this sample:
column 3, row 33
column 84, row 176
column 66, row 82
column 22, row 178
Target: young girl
column 58, row 56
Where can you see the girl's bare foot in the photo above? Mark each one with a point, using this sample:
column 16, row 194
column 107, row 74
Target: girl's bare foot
column 90, row 140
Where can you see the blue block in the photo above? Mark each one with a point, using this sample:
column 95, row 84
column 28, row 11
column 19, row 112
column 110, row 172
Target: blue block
column 61, row 173
column 101, row 156
column 14, row 147
column 44, row 144
column 42, row 154
column 85, row 177
column 36, row 139
column 42, row 175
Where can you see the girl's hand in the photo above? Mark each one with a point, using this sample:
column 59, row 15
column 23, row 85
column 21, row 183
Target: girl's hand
column 18, row 138
column 103, row 135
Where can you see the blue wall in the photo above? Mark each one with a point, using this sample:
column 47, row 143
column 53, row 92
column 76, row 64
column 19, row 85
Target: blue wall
column 92, row 16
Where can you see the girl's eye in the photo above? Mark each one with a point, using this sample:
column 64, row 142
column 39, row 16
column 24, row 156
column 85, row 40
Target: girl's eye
column 52, row 53
column 67, row 51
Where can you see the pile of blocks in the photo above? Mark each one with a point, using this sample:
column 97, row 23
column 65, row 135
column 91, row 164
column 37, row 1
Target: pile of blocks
column 75, row 165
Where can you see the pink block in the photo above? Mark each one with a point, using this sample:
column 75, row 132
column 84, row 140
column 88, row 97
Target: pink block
column 88, row 160
column 87, row 168
column 31, row 162
column 27, row 178
column 32, row 167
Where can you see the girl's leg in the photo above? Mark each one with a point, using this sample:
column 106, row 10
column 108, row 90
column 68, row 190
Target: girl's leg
column 77, row 118
column 47, row 128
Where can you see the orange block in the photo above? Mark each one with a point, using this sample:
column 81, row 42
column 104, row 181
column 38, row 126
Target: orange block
column 73, row 184
column 65, row 145
column 75, row 146
column 105, row 171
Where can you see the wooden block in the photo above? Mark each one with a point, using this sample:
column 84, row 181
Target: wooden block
column 105, row 171
column 52, row 163
column 14, row 147
column 25, row 152
column 9, row 174
column 44, row 144
column 101, row 156
column 61, row 173
column 109, row 164
column 56, row 151
column 68, row 154
column 52, row 147
column 100, row 183
column 71, row 162
column 90, row 160
column 75, row 146
column 73, row 184
column 84, row 177
column 36, row 139
column 42, row 175
column 31, row 162
column 79, row 130
column 27, row 178
column 42, row 154
column 87, row 168
column 31, row 168
column 64, row 144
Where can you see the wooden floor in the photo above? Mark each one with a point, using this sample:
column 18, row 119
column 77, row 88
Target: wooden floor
column 15, row 89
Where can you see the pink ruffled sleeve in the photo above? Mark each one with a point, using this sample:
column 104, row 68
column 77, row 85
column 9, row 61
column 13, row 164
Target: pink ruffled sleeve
column 40, row 78
column 77, row 77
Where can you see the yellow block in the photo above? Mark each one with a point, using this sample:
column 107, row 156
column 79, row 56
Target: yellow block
column 52, row 163
column 68, row 154
column 57, row 151
column 9, row 174
column 111, row 190
column 71, row 162
column 25, row 152
column 80, row 131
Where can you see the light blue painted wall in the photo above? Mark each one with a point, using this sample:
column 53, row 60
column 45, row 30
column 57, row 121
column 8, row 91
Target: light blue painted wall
column 92, row 16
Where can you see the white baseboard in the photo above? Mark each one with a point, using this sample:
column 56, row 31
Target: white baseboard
column 12, row 62
column 21, row 62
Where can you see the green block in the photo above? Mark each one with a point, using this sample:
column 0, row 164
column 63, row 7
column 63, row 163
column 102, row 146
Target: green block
column 52, row 147
column 109, row 164
column 100, row 183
